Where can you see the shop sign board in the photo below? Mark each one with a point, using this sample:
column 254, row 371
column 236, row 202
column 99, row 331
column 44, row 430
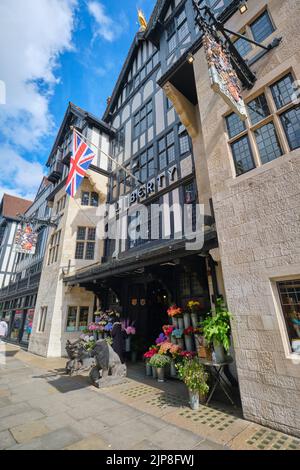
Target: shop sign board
column 25, row 240
column 223, row 77
column 154, row 185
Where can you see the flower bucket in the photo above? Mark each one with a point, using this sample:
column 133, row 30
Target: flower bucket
column 133, row 357
column 180, row 342
column 219, row 353
column 175, row 322
column 186, row 320
column 160, row 374
column 154, row 372
column 173, row 370
column 148, row 369
column 127, row 344
column 188, row 342
column 173, row 340
column 180, row 323
column 95, row 334
column 194, row 317
column 194, row 399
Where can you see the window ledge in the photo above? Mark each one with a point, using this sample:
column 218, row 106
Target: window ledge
column 295, row 358
column 265, row 167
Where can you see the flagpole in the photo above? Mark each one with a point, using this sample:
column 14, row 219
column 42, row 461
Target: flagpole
column 108, row 156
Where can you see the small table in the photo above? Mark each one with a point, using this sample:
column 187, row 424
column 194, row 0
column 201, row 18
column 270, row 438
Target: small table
column 216, row 372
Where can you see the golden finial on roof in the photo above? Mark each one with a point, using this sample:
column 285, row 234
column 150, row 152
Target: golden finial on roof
column 142, row 20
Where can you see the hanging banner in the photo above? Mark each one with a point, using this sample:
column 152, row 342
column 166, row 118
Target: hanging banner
column 25, row 240
column 224, row 79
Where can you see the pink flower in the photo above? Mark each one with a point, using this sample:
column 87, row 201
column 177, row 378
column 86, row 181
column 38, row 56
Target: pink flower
column 130, row 330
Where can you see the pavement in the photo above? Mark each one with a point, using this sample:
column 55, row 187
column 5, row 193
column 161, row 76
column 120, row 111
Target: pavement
column 43, row 409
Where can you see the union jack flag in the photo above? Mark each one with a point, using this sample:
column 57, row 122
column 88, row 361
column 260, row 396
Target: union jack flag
column 81, row 159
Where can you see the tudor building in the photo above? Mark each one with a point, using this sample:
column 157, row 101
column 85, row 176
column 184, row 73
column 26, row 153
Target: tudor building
column 72, row 243
column 18, row 298
column 142, row 273
column 184, row 144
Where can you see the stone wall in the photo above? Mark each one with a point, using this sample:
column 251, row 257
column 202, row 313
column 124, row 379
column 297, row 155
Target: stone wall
column 257, row 217
column 52, row 293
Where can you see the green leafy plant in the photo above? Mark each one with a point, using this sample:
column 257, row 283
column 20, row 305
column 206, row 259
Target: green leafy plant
column 193, row 374
column 216, row 328
column 159, row 361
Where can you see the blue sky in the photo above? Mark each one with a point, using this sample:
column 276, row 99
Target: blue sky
column 55, row 51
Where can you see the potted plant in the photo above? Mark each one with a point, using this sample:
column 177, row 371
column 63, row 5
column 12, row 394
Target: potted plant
column 177, row 334
column 175, row 313
column 194, row 307
column 159, row 362
column 193, row 374
column 217, row 329
column 188, row 332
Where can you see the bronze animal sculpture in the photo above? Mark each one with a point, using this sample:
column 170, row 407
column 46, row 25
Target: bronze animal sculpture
column 108, row 369
column 79, row 359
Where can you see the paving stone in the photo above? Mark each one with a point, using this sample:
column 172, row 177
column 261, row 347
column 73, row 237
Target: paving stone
column 14, row 409
column 4, row 402
column 58, row 421
column 6, row 440
column 145, row 445
column 118, row 415
column 16, row 420
column 89, row 426
column 60, row 439
column 210, row 445
column 92, row 442
column 171, row 437
column 130, row 433
column 27, row 432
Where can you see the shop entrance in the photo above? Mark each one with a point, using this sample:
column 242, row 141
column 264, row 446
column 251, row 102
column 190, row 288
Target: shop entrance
column 147, row 308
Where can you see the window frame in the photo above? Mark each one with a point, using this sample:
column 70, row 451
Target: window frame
column 143, row 116
column 274, row 117
column 54, row 247
column 172, row 28
column 77, row 327
column 86, row 242
column 42, row 319
column 289, row 354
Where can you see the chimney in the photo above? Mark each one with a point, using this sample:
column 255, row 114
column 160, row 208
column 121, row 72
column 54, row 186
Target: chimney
column 108, row 100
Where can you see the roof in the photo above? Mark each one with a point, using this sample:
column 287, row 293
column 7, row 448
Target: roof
column 72, row 109
column 11, row 206
column 131, row 261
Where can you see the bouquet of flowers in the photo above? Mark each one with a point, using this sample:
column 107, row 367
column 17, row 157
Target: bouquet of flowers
column 174, row 311
column 165, row 348
column 161, row 339
column 94, row 327
column 108, row 327
column 189, row 331
column 177, row 333
column 187, row 354
column 168, row 329
column 175, row 350
column 88, row 342
column 151, row 352
column 130, row 330
column 194, row 306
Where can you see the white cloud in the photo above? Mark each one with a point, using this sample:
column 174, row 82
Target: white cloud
column 106, row 27
column 32, row 36
column 17, row 175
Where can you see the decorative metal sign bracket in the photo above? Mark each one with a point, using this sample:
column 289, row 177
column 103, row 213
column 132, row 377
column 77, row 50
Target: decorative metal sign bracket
column 207, row 21
column 36, row 221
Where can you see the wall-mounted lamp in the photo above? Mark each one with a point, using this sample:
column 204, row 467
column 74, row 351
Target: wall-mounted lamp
column 190, row 58
column 243, row 7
